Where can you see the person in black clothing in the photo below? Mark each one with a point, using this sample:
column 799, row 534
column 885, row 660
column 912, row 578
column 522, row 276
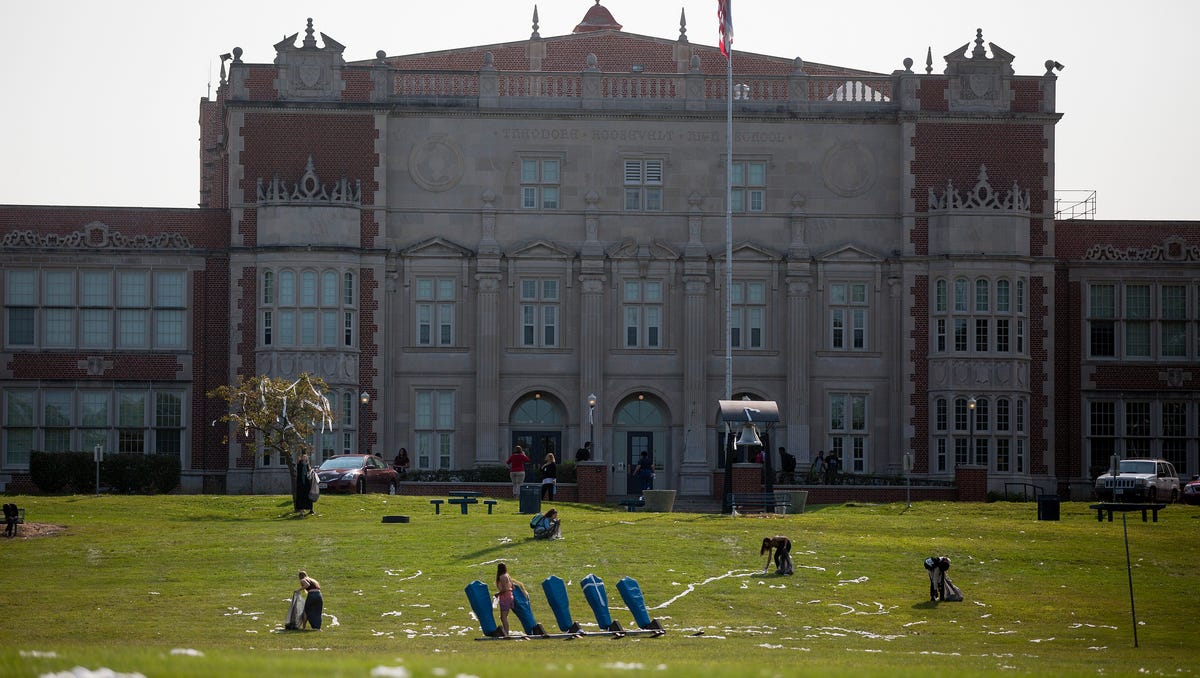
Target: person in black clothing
column 549, row 471
column 301, row 501
column 11, row 514
column 584, row 453
column 788, row 466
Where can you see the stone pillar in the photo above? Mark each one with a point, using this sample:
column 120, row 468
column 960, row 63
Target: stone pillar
column 487, row 345
column 695, row 467
column 796, row 408
column 592, row 280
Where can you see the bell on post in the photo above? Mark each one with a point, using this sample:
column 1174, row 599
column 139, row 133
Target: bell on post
column 749, row 437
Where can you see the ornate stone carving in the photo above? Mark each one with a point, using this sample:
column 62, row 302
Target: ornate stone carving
column 96, row 236
column 980, row 197
column 309, row 190
column 436, row 164
column 848, row 169
column 1172, row 249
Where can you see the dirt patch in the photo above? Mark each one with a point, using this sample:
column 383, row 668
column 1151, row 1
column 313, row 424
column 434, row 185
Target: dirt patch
column 31, row 530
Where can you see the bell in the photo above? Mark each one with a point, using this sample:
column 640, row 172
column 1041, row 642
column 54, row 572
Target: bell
column 749, row 437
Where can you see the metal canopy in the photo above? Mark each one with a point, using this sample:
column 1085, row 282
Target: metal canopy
column 743, row 411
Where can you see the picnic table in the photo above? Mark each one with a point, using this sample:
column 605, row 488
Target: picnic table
column 1124, row 507
column 463, row 499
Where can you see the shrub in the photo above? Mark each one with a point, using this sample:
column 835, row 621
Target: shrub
column 47, row 471
column 141, row 473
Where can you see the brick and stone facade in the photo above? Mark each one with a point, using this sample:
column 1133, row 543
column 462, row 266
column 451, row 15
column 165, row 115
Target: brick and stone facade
column 478, row 239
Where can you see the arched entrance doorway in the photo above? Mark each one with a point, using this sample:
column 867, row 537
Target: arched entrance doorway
column 641, row 426
column 537, row 423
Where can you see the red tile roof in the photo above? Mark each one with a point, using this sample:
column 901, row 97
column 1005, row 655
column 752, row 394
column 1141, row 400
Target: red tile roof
column 597, row 18
column 616, row 52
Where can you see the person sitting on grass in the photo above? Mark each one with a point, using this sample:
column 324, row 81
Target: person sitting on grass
column 546, row 526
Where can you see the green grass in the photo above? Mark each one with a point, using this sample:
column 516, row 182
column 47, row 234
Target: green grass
column 133, row 579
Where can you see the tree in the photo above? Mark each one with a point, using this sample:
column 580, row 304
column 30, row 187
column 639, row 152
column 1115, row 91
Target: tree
column 276, row 415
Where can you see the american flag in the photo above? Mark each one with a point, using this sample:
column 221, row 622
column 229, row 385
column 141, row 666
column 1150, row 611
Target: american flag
column 725, row 16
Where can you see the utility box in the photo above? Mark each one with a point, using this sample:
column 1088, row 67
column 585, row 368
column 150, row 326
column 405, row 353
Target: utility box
column 1047, row 507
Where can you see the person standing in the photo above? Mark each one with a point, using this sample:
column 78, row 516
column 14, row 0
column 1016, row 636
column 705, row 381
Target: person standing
column 832, row 466
column 645, row 471
column 584, row 453
column 816, row 472
column 302, row 502
column 516, row 468
column 787, row 463
column 313, row 602
column 504, row 593
column 549, row 471
column 402, row 463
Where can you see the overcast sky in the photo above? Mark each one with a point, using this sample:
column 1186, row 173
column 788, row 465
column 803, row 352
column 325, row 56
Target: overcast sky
column 101, row 97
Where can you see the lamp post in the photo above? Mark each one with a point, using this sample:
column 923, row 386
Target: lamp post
column 592, row 420
column 908, row 467
column 971, row 427
column 364, row 398
column 99, row 454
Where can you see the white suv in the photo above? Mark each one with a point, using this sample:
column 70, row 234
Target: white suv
column 1147, row 479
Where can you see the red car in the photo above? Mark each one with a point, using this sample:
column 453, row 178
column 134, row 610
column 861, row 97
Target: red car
column 1191, row 491
column 360, row 473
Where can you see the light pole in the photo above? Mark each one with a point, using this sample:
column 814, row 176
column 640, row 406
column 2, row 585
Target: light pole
column 592, row 420
column 99, row 454
column 971, row 427
column 364, row 398
column 908, row 467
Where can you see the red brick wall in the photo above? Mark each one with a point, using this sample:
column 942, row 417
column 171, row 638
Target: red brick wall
column 972, row 482
column 591, row 482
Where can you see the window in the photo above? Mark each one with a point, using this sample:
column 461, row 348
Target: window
column 1102, row 431
column 306, row 309
column 643, row 185
column 539, row 183
column 748, row 188
column 433, row 429
column 979, row 315
column 539, row 312
column 848, row 316
column 748, row 302
column 124, row 420
column 71, row 309
column 1137, row 429
column 643, row 313
column 1137, row 320
column 1174, row 435
column 848, row 430
column 435, row 311
column 19, row 419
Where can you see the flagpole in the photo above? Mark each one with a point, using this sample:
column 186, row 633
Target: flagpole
column 729, row 222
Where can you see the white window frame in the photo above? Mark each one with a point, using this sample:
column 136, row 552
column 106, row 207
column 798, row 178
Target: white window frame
column 541, row 181
column 436, row 310
column 748, row 311
column 642, row 314
column 849, row 311
column 434, row 428
column 848, row 430
column 748, row 190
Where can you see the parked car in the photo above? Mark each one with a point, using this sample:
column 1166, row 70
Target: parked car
column 1191, row 491
column 1140, row 479
column 359, row 473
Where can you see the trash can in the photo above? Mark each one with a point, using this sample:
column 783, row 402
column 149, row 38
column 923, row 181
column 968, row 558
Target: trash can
column 531, row 498
column 1047, row 506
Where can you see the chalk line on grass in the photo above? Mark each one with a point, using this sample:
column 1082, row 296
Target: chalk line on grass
column 692, row 587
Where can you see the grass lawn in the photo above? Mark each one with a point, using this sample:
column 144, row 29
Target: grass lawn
column 199, row 586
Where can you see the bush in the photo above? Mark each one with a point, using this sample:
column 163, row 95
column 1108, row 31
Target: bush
column 54, row 472
column 479, row 474
column 140, row 473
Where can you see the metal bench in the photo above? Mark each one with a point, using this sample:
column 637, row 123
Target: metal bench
column 489, row 503
column 632, row 505
column 437, row 505
column 763, row 501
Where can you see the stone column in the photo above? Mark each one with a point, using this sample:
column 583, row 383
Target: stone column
column 487, row 345
column 796, row 410
column 592, row 281
column 695, row 468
